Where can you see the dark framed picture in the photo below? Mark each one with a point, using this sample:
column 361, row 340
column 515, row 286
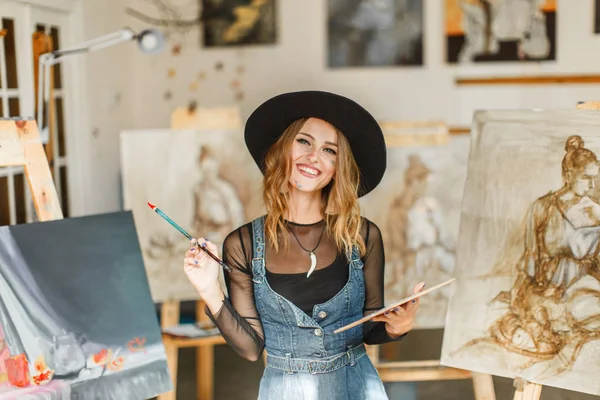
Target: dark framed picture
column 374, row 33
column 238, row 22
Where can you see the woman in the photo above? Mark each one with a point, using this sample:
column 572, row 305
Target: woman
column 312, row 264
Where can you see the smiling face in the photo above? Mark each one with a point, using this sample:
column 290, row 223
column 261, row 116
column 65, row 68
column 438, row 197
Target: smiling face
column 313, row 156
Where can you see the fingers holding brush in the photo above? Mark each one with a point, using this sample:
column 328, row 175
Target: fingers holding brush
column 203, row 250
column 201, row 269
column 207, row 244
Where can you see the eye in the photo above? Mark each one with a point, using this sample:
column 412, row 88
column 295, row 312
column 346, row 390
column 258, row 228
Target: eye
column 302, row 141
column 332, row 151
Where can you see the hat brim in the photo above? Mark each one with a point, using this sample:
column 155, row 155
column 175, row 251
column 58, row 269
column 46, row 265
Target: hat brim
column 268, row 122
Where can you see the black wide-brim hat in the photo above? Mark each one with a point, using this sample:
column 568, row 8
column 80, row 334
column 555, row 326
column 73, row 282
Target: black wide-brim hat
column 268, row 122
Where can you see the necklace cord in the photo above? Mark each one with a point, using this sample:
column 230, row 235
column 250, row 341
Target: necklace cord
column 300, row 244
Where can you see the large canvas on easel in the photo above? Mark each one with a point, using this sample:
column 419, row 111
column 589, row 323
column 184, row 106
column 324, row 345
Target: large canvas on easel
column 417, row 209
column 205, row 180
column 76, row 317
column 527, row 299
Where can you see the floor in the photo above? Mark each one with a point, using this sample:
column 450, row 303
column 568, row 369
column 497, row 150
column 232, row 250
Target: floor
column 237, row 379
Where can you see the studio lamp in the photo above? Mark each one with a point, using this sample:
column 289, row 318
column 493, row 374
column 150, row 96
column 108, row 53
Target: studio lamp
column 149, row 41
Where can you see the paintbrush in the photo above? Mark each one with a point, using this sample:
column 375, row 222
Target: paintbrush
column 187, row 235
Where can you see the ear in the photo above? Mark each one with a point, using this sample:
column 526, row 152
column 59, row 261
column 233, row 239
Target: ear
column 568, row 176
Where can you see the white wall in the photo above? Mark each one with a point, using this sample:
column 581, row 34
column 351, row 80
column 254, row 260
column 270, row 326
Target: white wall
column 109, row 106
column 298, row 62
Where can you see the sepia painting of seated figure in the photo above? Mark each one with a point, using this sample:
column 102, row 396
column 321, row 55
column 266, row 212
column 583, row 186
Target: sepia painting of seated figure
column 217, row 207
column 547, row 319
column 204, row 180
column 527, row 301
column 418, row 212
column 421, row 247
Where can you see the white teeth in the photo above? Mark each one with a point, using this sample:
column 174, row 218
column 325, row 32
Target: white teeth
column 309, row 170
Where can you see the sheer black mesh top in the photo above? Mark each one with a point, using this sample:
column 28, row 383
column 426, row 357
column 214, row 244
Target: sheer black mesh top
column 238, row 319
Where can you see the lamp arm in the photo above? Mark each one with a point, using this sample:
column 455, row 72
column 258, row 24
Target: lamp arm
column 46, row 60
column 98, row 43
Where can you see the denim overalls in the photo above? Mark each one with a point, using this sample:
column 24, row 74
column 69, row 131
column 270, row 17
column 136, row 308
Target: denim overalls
column 305, row 359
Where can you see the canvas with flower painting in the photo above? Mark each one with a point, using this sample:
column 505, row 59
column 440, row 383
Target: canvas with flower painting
column 76, row 317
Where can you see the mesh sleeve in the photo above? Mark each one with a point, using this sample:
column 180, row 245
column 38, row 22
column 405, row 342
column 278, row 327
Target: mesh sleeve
column 374, row 269
column 238, row 319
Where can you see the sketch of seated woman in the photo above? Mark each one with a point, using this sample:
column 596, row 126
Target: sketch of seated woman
column 30, row 325
column 419, row 247
column 553, row 307
column 218, row 209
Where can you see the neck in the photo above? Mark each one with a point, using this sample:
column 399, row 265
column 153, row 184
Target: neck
column 566, row 191
column 305, row 207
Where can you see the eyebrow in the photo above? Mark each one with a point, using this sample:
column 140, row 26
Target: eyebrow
column 312, row 137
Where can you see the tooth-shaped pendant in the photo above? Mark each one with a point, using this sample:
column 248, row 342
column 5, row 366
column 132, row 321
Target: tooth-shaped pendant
column 313, row 263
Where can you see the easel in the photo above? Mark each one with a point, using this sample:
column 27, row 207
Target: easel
column 192, row 117
column 532, row 391
column 169, row 312
column 21, row 146
column 423, row 133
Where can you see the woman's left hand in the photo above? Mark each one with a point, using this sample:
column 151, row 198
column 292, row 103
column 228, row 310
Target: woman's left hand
column 399, row 320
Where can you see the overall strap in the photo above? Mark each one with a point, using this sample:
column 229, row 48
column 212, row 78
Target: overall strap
column 258, row 245
column 355, row 260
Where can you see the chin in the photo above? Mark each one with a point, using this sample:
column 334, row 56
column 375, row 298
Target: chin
column 304, row 186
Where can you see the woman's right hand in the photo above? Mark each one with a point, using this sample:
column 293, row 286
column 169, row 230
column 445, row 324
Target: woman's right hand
column 200, row 268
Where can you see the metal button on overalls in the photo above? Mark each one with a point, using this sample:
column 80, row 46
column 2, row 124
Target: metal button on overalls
column 319, row 332
column 322, row 314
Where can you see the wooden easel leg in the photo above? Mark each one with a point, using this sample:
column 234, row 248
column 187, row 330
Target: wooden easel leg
column 169, row 316
column 172, row 352
column 483, row 386
column 373, row 353
column 389, row 350
column 205, row 358
column 526, row 390
column 205, row 361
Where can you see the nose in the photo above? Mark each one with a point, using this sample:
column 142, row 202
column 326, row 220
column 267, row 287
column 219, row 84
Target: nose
column 312, row 156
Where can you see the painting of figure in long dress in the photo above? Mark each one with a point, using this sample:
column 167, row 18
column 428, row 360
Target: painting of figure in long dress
column 76, row 317
column 500, row 30
column 417, row 208
column 527, row 302
column 375, row 33
column 205, row 180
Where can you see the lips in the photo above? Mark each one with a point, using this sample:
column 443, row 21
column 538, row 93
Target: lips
column 310, row 172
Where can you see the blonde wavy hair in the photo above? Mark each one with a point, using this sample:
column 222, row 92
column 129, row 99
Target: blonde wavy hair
column 340, row 200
